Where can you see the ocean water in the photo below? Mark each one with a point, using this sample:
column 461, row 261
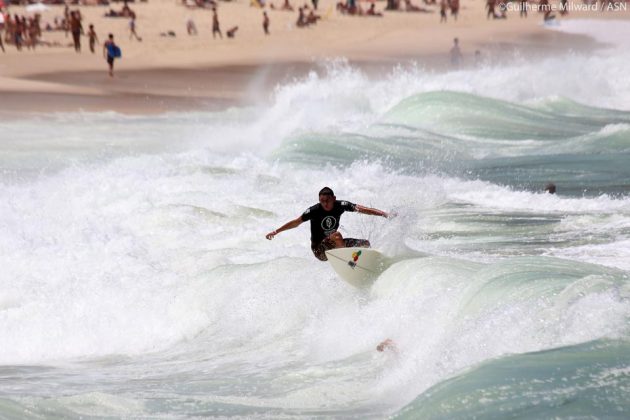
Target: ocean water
column 136, row 282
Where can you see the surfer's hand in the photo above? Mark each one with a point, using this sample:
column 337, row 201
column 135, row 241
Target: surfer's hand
column 270, row 235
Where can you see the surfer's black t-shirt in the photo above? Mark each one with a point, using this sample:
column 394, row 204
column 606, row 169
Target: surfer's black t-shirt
column 323, row 222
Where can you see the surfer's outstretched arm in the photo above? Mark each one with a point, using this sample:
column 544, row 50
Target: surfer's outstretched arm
column 371, row 211
column 289, row 225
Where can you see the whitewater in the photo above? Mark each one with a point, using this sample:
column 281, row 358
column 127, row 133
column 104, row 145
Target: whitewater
column 136, row 280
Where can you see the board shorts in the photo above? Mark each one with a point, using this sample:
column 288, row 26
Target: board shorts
column 319, row 250
column 110, row 59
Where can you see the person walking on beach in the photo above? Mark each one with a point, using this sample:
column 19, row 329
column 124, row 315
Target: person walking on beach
column 216, row 29
column 132, row 29
column 266, row 23
column 111, row 52
column 92, row 37
column 443, row 11
column 456, row 54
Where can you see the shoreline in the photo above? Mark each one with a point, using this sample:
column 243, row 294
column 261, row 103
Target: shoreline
column 164, row 83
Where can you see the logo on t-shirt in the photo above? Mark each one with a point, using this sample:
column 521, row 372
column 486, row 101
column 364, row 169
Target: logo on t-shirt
column 328, row 224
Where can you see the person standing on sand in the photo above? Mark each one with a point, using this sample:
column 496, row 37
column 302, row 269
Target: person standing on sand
column 215, row 24
column 109, row 52
column 19, row 33
column 454, row 8
column 490, row 5
column 443, row 11
column 266, row 23
column 77, row 29
column 523, row 12
column 1, row 29
column 191, row 28
column 66, row 17
column 92, row 37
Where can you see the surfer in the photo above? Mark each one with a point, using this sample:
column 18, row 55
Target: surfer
column 111, row 52
column 324, row 218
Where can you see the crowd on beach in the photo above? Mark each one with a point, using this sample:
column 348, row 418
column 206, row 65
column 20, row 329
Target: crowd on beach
column 26, row 31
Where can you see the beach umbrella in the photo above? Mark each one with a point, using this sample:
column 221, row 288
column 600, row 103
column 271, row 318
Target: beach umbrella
column 37, row 8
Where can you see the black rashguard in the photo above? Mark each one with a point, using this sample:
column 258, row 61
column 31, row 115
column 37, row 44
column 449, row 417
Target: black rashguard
column 323, row 222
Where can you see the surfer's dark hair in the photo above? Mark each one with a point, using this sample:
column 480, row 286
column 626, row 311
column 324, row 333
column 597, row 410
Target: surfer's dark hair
column 326, row 191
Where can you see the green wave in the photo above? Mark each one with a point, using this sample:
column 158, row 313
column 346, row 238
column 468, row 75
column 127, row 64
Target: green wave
column 590, row 380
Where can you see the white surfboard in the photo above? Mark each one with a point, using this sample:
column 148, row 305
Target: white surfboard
column 357, row 266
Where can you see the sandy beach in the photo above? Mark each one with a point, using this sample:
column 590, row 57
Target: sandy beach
column 166, row 73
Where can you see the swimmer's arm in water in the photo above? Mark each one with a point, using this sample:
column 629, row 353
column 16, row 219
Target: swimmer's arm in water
column 289, row 225
column 371, row 211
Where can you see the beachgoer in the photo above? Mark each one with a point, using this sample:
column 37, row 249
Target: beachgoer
column 301, row 21
column 132, row 29
column 443, row 11
column 490, row 5
column 1, row 29
column 266, row 23
column 324, row 218
column 18, row 32
column 66, row 19
column 456, row 54
column 109, row 52
column 191, row 28
column 76, row 29
column 523, row 12
column 93, row 38
column 215, row 24
column 287, row 6
column 477, row 57
column 550, row 188
column 372, row 11
column 312, row 18
column 454, row 8
column 231, row 32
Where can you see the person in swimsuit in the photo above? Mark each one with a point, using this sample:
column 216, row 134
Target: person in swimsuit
column 324, row 218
